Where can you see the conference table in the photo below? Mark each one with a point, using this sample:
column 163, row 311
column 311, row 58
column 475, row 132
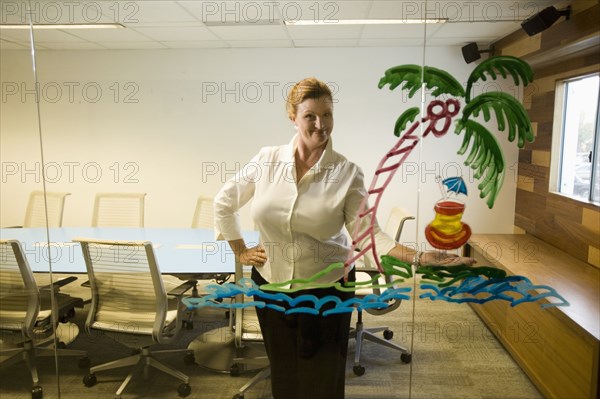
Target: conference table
column 183, row 252
column 187, row 253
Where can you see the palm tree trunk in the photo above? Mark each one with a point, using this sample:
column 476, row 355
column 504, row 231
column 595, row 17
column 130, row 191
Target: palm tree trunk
column 387, row 168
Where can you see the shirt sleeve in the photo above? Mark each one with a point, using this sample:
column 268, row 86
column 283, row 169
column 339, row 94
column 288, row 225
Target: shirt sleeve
column 383, row 242
column 234, row 194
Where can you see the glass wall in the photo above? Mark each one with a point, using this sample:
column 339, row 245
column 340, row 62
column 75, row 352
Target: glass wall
column 25, row 213
column 166, row 107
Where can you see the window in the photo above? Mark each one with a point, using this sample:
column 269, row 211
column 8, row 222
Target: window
column 577, row 170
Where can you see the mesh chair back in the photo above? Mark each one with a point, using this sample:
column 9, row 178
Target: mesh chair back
column 127, row 290
column 204, row 214
column 118, row 210
column 19, row 294
column 395, row 222
column 35, row 215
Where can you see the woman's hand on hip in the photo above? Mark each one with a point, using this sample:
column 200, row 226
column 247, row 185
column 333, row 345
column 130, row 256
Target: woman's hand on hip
column 253, row 256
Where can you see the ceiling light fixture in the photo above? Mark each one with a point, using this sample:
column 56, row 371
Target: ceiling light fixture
column 544, row 19
column 63, row 26
column 306, row 22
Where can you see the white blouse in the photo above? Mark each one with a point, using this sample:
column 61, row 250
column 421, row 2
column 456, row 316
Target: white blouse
column 301, row 225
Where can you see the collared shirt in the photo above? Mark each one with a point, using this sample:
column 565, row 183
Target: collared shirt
column 301, row 224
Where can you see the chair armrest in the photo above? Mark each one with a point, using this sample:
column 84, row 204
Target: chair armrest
column 64, row 281
column 182, row 288
column 58, row 283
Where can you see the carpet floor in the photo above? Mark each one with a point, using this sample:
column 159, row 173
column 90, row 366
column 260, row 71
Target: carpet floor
column 454, row 356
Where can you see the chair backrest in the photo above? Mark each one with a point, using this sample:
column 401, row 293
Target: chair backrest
column 128, row 294
column 366, row 267
column 204, row 213
column 394, row 226
column 35, row 215
column 395, row 223
column 20, row 297
column 118, row 210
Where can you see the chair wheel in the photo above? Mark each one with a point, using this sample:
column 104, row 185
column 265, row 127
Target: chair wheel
column 358, row 370
column 37, row 392
column 84, row 362
column 234, row 370
column 69, row 314
column 89, row 380
column 61, row 345
column 184, row 390
column 388, row 334
column 189, row 359
column 406, row 357
column 238, row 396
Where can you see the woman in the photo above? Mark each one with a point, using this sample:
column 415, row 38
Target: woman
column 304, row 194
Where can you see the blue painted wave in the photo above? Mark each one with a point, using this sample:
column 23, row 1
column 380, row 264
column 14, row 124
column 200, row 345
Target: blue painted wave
column 494, row 289
column 289, row 305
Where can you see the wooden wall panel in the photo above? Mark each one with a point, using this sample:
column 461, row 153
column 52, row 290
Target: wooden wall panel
column 567, row 49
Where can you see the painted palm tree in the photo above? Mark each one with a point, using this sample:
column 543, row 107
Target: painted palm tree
column 485, row 156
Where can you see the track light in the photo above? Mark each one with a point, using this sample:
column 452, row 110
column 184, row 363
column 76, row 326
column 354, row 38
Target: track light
column 544, row 19
column 472, row 53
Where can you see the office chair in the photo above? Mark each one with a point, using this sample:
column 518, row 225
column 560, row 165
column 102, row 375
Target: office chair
column 203, row 219
column 247, row 334
column 130, row 303
column 204, row 214
column 118, row 210
column 26, row 313
column 35, row 215
column 365, row 271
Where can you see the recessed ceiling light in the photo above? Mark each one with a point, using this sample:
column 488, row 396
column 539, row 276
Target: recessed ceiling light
column 243, row 22
column 333, row 22
column 63, row 26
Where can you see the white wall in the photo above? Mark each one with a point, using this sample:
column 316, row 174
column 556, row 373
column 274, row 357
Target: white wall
column 151, row 121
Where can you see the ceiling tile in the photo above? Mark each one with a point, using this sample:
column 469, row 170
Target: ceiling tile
column 325, row 32
column 260, row 43
column 69, row 46
column 393, row 31
column 325, row 43
column 112, row 45
column 486, row 30
column 43, row 35
column 391, row 42
column 177, row 33
column 56, row 12
column 15, row 35
column 232, row 11
column 493, row 11
column 109, row 35
column 332, row 11
column 7, row 45
column 179, row 24
column 397, row 9
column 61, row 36
column 196, row 44
column 249, row 32
column 155, row 11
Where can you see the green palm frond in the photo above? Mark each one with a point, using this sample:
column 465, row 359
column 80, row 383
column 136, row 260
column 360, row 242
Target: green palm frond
column 520, row 71
column 507, row 110
column 485, row 158
column 443, row 82
column 407, row 116
column 409, row 76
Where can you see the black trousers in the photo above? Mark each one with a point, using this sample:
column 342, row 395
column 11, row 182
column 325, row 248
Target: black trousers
column 307, row 353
